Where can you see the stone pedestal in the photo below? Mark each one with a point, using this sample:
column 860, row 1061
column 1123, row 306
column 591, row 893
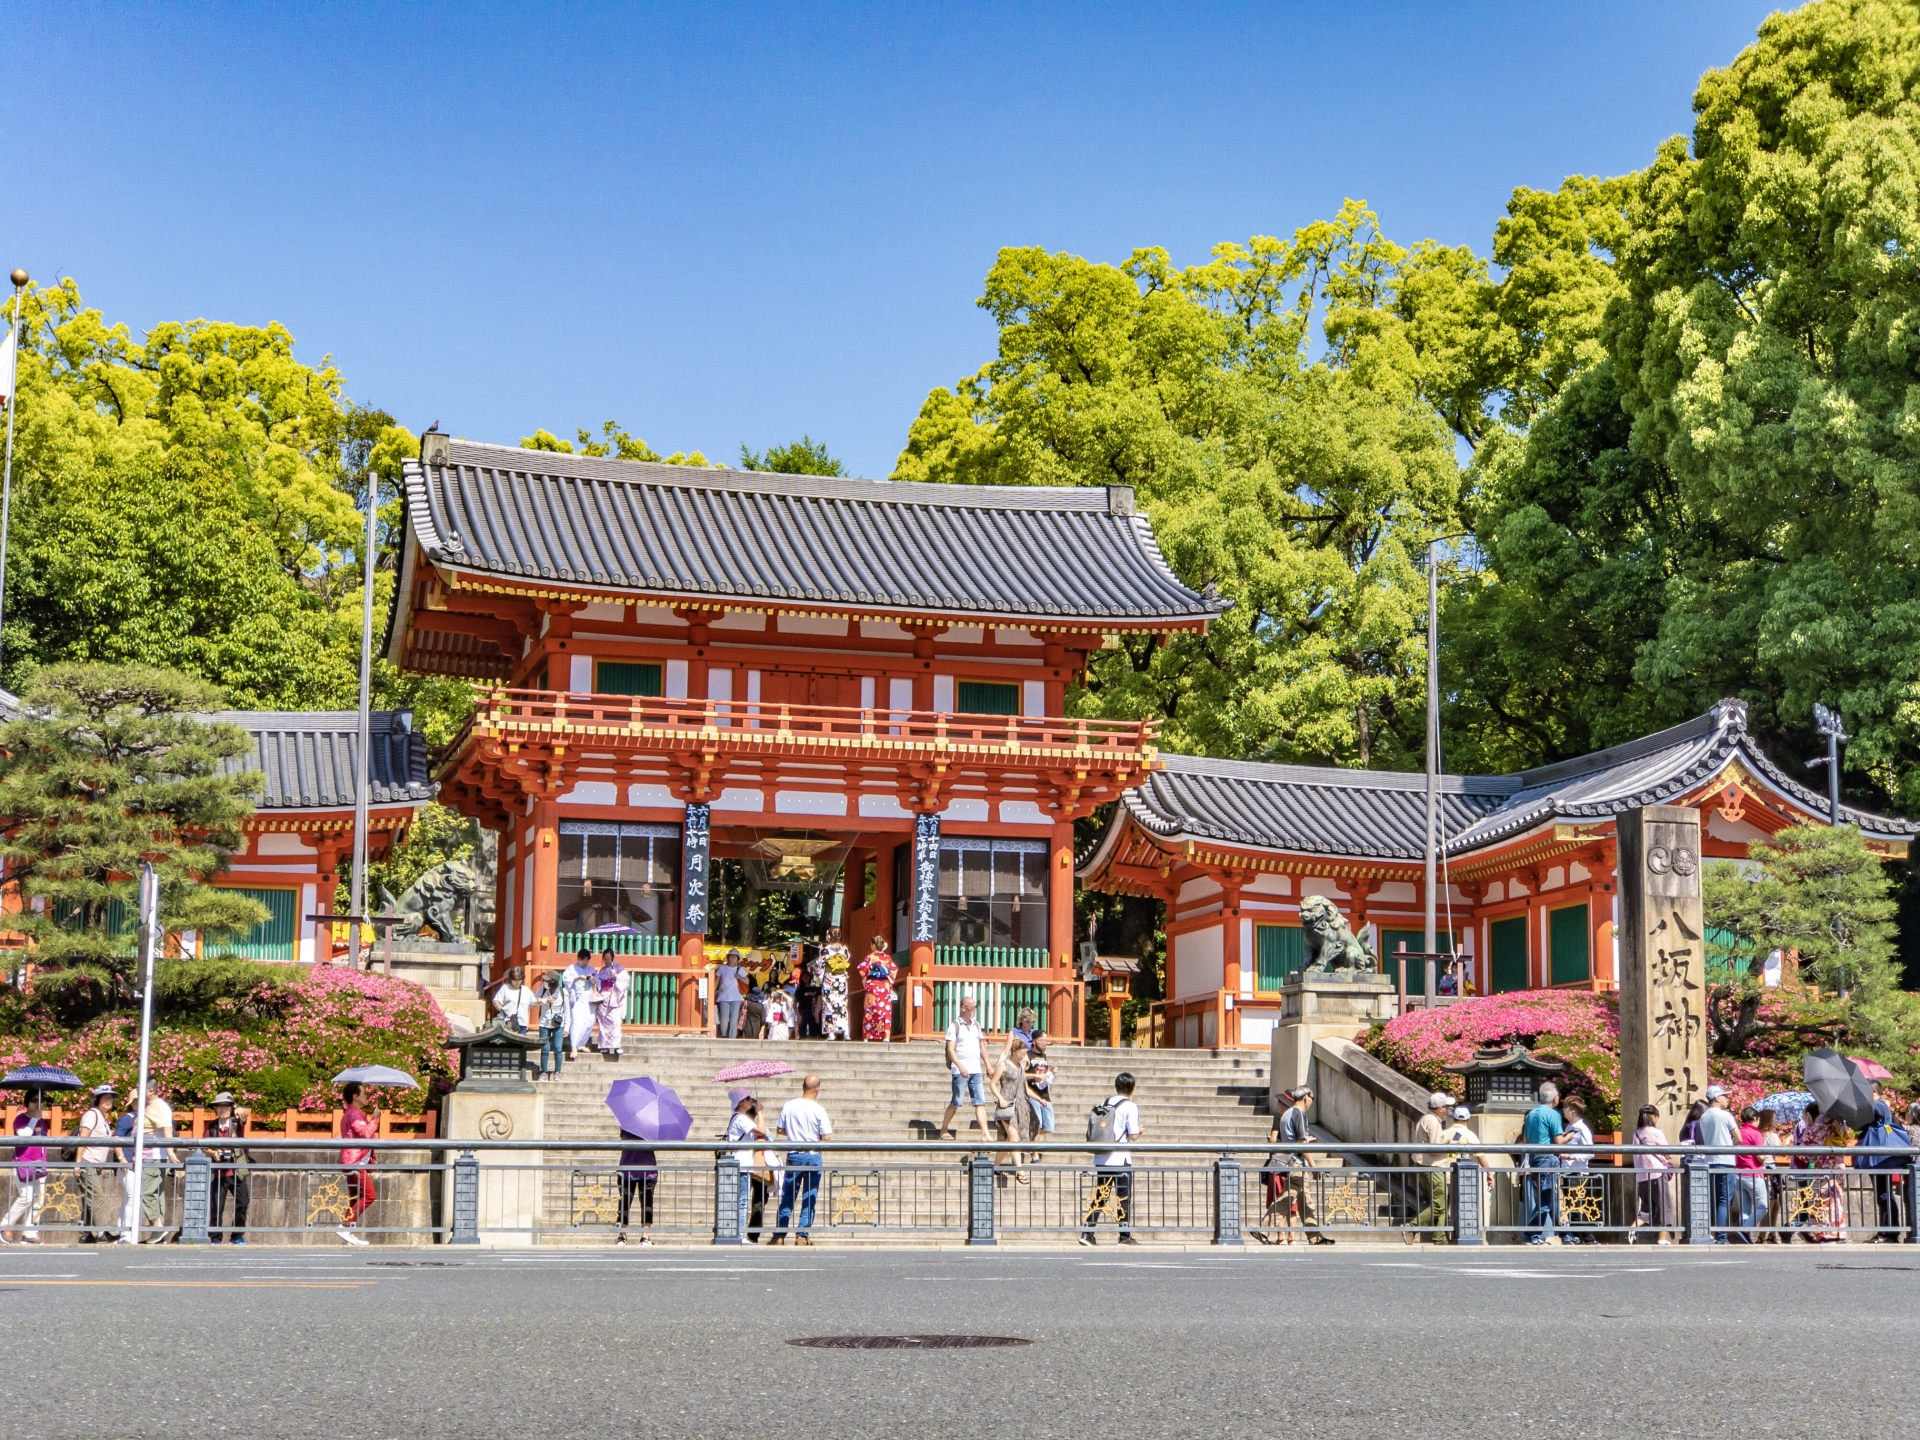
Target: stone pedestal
column 496, row 1101
column 450, row 970
column 1336, row 1004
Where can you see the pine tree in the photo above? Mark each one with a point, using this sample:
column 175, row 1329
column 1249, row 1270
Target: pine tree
column 110, row 765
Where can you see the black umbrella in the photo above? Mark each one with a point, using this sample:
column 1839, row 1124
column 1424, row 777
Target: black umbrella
column 1843, row 1092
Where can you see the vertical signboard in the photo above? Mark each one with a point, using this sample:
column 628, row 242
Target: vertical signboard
column 694, row 862
column 1663, row 1021
column 926, row 878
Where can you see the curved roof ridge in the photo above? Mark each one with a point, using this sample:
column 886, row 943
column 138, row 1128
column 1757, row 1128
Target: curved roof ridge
column 475, row 455
column 1337, row 775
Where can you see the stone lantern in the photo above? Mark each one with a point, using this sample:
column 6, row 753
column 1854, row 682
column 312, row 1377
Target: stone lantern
column 496, row 1099
column 1500, row 1085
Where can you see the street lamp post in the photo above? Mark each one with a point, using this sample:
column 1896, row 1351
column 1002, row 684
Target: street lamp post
column 1827, row 722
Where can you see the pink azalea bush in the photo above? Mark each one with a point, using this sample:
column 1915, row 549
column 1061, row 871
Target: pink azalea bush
column 276, row 1046
column 1574, row 1026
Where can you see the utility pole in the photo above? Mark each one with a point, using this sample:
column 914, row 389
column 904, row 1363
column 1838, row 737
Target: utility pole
column 1433, row 740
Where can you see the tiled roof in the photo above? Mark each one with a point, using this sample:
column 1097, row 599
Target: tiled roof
column 1374, row 814
column 1003, row 553
column 307, row 757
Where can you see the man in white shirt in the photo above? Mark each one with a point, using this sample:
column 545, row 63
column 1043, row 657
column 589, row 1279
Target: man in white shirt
column 804, row 1121
column 964, row 1063
column 1117, row 1121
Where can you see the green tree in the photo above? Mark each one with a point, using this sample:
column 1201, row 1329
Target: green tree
column 805, row 456
column 188, row 501
column 1818, row 890
column 109, row 766
column 1302, row 486
column 1705, row 481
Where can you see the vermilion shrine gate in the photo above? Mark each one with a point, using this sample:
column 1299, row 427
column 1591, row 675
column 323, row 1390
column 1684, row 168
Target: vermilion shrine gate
column 687, row 665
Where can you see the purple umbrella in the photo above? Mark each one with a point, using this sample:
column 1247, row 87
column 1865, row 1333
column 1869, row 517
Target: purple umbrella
column 648, row 1109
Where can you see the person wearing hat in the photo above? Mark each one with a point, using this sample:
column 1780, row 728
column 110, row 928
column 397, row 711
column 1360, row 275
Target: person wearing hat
column 1291, row 1129
column 100, row 1174
column 1718, row 1127
column 1434, row 1163
column 229, row 1170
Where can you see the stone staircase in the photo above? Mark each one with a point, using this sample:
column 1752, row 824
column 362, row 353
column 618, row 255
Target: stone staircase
column 881, row 1092
column 899, row 1091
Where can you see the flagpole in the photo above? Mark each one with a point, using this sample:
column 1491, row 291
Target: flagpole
column 149, row 942
column 365, row 764
column 19, row 278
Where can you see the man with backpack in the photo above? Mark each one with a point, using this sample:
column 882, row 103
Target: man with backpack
column 1114, row 1122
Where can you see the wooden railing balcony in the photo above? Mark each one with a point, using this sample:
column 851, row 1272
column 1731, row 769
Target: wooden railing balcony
column 747, row 727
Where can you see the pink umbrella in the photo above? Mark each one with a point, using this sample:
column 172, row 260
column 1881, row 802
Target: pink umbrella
column 752, row 1070
column 1872, row 1069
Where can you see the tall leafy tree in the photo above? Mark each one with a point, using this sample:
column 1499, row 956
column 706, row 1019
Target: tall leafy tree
column 805, row 456
column 109, row 766
column 1267, row 408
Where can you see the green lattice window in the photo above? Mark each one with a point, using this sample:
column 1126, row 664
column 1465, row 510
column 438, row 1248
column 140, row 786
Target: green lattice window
column 1568, row 958
column 618, row 677
column 1278, row 951
column 1508, row 942
column 1415, row 941
column 982, row 697
column 274, row 938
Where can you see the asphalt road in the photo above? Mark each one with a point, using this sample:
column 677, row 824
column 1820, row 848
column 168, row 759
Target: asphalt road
column 1133, row 1343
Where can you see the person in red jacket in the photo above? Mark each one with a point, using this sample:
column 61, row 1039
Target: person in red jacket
column 356, row 1124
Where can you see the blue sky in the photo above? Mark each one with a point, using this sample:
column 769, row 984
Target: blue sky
column 727, row 224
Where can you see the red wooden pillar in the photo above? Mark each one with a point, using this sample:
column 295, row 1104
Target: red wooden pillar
column 503, row 874
column 546, row 882
column 1230, row 935
column 1060, row 933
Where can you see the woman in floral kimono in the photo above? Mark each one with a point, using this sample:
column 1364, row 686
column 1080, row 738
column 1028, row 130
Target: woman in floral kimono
column 1831, row 1224
column 835, row 964
column 610, row 1003
column 877, row 974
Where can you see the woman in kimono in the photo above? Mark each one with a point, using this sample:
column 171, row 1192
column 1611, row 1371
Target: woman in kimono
column 610, row 1003
column 581, row 984
column 835, row 966
column 877, row 974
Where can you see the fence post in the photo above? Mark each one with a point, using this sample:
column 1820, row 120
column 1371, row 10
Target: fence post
column 1226, row 1202
column 1468, row 1196
column 466, row 1200
column 980, row 1196
column 1913, row 1200
column 1697, row 1193
column 196, row 1199
column 727, row 1181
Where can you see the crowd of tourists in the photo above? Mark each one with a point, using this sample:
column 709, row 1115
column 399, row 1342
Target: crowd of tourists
column 1756, row 1196
column 113, row 1191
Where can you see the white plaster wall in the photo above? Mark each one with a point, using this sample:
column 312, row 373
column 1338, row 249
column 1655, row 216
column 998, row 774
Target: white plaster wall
column 1269, row 885
column 965, row 809
column 900, row 694
column 964, row 635
column 738, row 799
column 883, row 630
column 593, row 792
column 278, row 844
column 1396, row 892
column 883, row 807
column 812, row 624
column 943, row 693
column 719, row 684
column 1021, row 812
column 676, row 680
column 580, row 674
column 1196, row 890
column 602, row 610
column 1320, row 885
column 740, row 620
column 1034, row 698
column 809, row 802
column 1199, row 961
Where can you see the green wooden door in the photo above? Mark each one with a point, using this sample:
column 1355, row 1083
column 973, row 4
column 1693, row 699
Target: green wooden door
column 1568, row 960
column 1278, row 951
column 1508, row 942
column 272, row 938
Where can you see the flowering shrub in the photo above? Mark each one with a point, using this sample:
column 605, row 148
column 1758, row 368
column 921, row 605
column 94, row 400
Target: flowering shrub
column 1575, row 1026
column 1583, row 1029
column 276, row 1046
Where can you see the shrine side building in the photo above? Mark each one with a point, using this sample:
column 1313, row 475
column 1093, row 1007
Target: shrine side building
column 686, row 665
column 1529, row 893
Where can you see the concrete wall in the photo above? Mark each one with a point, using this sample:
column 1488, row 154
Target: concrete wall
column 1361, row 1100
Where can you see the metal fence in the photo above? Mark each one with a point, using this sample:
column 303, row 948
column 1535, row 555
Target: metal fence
column 292, row 1192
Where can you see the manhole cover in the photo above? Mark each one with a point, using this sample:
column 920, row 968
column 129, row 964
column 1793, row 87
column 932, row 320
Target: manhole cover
column 906, row 1342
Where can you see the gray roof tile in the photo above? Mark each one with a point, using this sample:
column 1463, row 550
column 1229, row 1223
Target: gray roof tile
column 307, row 757
column 1375, row 814
column 1007, row 553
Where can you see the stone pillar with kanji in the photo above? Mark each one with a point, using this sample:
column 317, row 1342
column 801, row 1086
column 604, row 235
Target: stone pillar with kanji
column 1663, row 1019
column 925, row 918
